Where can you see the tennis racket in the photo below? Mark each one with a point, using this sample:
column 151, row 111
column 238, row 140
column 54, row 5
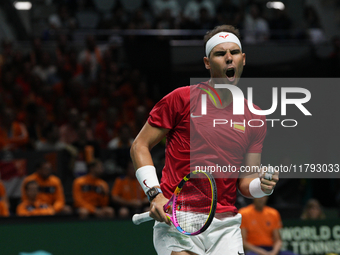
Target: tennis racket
column 192, row 207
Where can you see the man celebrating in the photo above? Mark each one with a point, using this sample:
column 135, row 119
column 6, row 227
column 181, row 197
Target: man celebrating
column 192, row 142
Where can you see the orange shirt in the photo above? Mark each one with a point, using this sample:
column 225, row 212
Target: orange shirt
column 51, row 191
column 90, row 192
column 260, row 225
column 37, row 208
column 4, row 212
column 18, row 138
column 127, row 189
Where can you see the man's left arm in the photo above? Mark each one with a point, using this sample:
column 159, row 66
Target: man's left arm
column 59, row 202
column 277, row 242
column 249, row 183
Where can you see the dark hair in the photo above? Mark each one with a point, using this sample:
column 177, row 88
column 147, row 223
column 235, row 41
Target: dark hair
column 29, row 183
column 218, row 29
column 40, row 163
column 47, row 129
column 310, row 204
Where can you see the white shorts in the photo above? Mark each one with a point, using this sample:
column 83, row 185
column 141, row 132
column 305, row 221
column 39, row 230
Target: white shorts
column 223, row 237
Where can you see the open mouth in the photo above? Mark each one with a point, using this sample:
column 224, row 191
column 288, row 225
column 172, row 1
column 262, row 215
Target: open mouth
column 230, row 73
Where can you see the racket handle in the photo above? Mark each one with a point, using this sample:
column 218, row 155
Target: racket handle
column 140, row 218
column 269, row 174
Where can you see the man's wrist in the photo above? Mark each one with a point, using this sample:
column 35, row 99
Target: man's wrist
column 255, row 189
column 147, row 177
column 153, row 193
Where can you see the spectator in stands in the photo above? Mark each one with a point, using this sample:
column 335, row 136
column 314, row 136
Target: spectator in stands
column 148, row 10
column 50, row 191
column 51, row 141
column 134, row 97
column 46, row 71
column 193, row 7
column 18, row 60
column 280, row 25
column 71, row 64
column 7, row 55
column 37, row 121
column 124, row 139
column 78, row 97
column 37, row 51
column 161, row 6
column 314, row 29
column 128, row 194
column 47, row 98
column 166, row 21
column 18, row 102
column 93, row 110
column 139, row 21
column 62, row 19
column 205, row 21
column 107, row 129
column 69, row 131
column 7, row 83
column 91, row 193
column 311, row 17
column 256, row 28
column 227, row 13
column 84, row 139
column 60, row 111
column 260, row 229
column 313, row 211
column 85, row 77
column 32, row 206
column 4, row 208
column 87, row 150
column 13, row 134
column 24, row 78
column 62, row 49
column 91, row 54
column 118, row 19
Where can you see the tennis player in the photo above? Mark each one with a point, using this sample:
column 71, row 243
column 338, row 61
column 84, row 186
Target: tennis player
column 178, row 120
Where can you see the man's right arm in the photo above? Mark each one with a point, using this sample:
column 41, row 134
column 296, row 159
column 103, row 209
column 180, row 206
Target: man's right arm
column 147, row 138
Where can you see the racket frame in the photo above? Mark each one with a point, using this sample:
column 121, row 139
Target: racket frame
column 172, row 203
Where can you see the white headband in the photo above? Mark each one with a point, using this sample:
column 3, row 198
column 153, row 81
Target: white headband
column 221, row 37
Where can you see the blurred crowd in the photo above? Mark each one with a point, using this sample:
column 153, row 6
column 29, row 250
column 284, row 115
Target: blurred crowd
column 69, row 99
column 256, row 21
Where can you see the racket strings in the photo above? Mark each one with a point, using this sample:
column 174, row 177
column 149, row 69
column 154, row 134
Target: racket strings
column 194, row 204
